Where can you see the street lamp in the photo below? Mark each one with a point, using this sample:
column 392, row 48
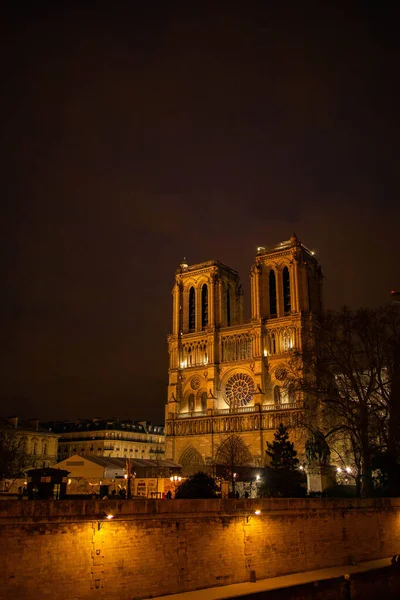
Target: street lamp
column 175, row 479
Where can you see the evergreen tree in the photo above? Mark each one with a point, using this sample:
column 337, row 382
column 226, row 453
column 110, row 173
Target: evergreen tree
column 282, row 477
column 281, row 451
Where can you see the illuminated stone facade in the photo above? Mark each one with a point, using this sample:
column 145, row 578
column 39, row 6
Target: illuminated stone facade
column 112, row 438
column 40, row 445
column 225, row 376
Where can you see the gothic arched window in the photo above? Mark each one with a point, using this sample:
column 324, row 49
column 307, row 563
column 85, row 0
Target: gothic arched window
column 191, row 403
column 204, row 305
column 192, row 310
column 272, row 293
column 228, row 307
column 273, row 344
column 204, row 401
column 277, row 394
column 286, row 290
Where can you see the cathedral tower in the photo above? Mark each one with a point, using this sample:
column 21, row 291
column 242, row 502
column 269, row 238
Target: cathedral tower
column 226, row 376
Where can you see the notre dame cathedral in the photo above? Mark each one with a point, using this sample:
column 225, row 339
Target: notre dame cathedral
column 225, row 376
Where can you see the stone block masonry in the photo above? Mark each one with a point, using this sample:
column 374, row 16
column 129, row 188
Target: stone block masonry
column 68, row 549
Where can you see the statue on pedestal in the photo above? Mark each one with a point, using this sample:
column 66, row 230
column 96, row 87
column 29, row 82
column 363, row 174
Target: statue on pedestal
column 319, row 472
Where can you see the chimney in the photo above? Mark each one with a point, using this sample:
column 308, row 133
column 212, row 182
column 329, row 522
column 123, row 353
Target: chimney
column 13, row 421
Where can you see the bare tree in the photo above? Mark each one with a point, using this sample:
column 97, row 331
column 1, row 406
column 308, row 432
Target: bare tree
column 345, row 372
column 13, row 460
column 231, row 454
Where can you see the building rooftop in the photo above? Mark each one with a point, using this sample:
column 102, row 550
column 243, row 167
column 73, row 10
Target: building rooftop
column 136, row 463
column 13, row 424
column 185, row 268
column 103, row 425
column 285, row 245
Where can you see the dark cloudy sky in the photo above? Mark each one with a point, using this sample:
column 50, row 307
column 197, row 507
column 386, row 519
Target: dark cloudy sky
column 134, row 137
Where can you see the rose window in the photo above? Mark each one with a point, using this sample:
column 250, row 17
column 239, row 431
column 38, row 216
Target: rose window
column 239, row 390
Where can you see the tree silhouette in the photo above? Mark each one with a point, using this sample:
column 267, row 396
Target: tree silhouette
column 282, row 477
column 281, row 451
column 231, row 454
column 348, row 372
column 13, row 460
column 199, row 485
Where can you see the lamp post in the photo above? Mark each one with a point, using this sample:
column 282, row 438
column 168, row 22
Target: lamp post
column 175, row 479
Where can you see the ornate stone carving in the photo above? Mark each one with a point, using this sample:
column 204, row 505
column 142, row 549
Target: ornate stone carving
column 239, row 390
column 195, row 383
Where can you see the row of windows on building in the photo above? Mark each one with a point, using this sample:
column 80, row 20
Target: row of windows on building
column 131, row 437
column 100, row 450
column 204, row 308
column 202, row 403
column 235, row 348
column 287, row 305
column 38, row 448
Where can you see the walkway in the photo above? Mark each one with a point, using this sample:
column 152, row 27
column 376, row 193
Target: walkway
column 241, row 589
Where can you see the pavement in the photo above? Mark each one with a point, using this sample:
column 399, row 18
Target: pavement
column 241, row 589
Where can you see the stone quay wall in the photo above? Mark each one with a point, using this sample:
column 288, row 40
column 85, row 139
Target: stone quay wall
column 69, row 550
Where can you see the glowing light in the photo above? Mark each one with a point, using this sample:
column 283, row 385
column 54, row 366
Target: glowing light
column 339, row 470
column 301, row 467
column 257, row 512
column 69, row 480
column 348, row 470
column 109, row 516
column 257, row 477
column 265, row 352
column 312, row 253
column 125, row 476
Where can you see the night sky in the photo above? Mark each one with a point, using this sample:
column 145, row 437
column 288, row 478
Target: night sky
column 132, row 138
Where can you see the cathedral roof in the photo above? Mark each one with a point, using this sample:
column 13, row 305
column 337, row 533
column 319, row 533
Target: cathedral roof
column 185, row 268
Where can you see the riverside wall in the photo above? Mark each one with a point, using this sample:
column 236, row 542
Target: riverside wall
column 69, row 550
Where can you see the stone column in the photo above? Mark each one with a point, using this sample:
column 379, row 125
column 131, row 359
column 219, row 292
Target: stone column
column 221, row 303
column 177, row 300
column 279, row 293
column 197, row 295
column 256, row 292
